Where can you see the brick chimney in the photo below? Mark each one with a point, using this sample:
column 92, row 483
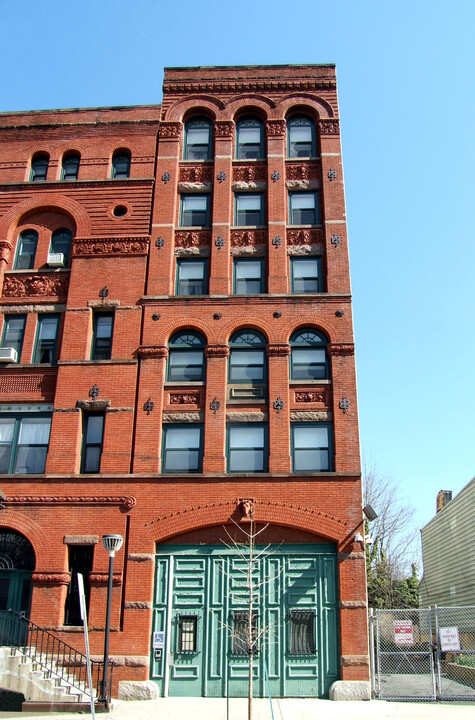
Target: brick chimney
column 443, row 497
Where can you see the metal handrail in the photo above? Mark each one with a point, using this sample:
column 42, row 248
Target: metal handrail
column 52, row 654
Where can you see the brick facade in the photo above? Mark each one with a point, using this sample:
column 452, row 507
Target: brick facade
column 128, row 239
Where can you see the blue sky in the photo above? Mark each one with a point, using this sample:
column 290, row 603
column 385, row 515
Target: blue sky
column 406, row 91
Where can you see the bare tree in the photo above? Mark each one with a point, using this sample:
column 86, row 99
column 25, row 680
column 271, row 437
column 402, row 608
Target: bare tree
column 392, row 551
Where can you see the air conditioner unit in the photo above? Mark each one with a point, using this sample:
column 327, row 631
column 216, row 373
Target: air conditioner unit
column 8, row 355
column 56, row 259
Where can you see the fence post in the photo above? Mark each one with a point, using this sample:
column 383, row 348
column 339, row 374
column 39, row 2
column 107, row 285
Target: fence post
column 371, row 652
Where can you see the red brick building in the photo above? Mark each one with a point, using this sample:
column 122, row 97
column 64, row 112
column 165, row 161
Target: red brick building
column 177, row 354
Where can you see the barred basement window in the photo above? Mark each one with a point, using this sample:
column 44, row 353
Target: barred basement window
column 244, row 643
column 187, row 631
column 302, row 632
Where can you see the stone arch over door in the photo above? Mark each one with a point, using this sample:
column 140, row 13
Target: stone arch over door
column 17, row 563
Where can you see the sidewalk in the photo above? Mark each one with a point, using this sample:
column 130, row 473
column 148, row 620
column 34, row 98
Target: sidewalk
column 285, row 709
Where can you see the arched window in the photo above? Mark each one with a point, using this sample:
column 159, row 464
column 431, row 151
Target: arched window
column 121, row 164
column 308, row 359
column 70, row 166
column 39, row 167
column 249, row 138
column 198, row 139
column 26, row 250
column 61, row 245
column 186, row 357
column 301, row 137
column 247, row 357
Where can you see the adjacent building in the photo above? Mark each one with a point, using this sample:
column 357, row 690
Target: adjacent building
column 177, row 361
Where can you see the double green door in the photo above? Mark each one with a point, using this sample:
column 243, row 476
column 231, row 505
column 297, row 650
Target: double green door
column 201, row 605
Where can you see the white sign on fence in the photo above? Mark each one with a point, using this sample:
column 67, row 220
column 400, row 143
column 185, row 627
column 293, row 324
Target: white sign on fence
column 403, row 634
column 449, row 639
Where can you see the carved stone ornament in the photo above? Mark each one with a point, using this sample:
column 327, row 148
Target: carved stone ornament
column 166, row 177
column 217, row 351
column 187, row 238
column 249, row 173
column 182, row 417
column 107, row 246
column 245, row 508
column 329, row 126
column 219, row 242
column 304, row 237
column 51, row 578
column 344, row 404
column 159, row 351
column 160, row 242
column 5, row 250
column 170, row 129
column 104, row 292
column 127, row 502
column 223, row 129
column 244, row 238
column 302, row 171
column 332, row 174
column 275, row 128
column 275, row 176
column 341, row 349
column 335, row 239
column 277, row 350
column 102, row 578
column 148, row 406
column 196, row 174
column 94, row 392
column 221, row 176
column 184, row 398
column 310, row 396
column 277, row 241
column 29, row 285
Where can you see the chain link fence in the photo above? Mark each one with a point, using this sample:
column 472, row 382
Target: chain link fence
column 423, row 654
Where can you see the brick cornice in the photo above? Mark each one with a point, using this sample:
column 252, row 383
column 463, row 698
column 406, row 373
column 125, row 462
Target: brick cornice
column 126, row 501
column 83, row 247
column 340, row 349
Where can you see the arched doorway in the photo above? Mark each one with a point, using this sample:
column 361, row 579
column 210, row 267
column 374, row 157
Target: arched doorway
column 17, row 562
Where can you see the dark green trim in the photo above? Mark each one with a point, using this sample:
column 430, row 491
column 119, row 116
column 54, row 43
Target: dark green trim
column 38, row 350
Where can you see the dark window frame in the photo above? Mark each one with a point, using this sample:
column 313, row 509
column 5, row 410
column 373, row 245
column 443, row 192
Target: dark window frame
column 313, row 447
column 184, row 635
column 294, row 219
column 80, row 560
column 181, row 283
column 45, row 345
column 121, row 164
column 231, row 449
column 317, row 342
column 58, row 239
column 39, row 167
column 247, row 151
column 102, row 345
column 237, row 347
column 199, row 123
column 305, row 646
column 17, row 344
column 293, row 151
column 296, row 280
column 70, row 166
column 240, row 219
column 244, row 281
column 241, row 643
column 188, row 214
column 26, row 261
column 167, row 428
column 91, row 465
column 182, row 343
column 15, row 446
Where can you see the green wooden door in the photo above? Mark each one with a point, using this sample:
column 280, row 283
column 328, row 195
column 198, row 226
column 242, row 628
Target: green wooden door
column 201, row 603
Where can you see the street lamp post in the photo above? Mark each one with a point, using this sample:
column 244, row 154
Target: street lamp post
column 111, row 544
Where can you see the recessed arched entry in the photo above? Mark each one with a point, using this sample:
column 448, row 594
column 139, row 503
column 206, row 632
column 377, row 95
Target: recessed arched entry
column 17, row 563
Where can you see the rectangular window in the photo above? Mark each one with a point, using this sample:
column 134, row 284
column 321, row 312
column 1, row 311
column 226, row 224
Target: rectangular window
column 303, row 208
column 102, row 327
column 247, row 448
column 26, row 250
column 187, row 631
column 93, row 433
column 182, row 448
column 24, row 443
column 13, row 333
column 249, row 277
column 244, row 634
column 305, row 275
column 80, row 561
column 311, row 446
column 191, row 277
column 46, row 339
column 194, row 211
column 249, row 209
column 302, row 632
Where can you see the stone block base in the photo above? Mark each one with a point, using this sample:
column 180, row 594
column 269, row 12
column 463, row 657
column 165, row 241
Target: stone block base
column 350, row 690
column 138, row 690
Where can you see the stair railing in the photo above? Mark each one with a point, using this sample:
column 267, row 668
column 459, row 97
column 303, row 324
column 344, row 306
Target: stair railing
column 52, row 654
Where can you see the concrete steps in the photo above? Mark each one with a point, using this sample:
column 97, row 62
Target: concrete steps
column 27, row 675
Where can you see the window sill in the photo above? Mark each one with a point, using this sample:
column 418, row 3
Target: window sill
column 249, row 227
column 193, row 227
column 325, row 381
column 183, row 383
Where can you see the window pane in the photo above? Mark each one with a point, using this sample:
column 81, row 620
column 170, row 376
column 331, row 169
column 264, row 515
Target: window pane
column 311, row 460
column 95, row 426
column 182, row 460
column 307, row 437
column 92, row 459
column 250, row 436
column 191, row 270
column 195, row 203
column 301, row 134
column 198, row 136
column 7, row 425
column 182, row 438
column 13, row 332
column 34, row 431
column 5, row 454
column 249, row 202
column 30, row 459
column 248, row 269
column 104, row 326
column 303, row 200
column 302, row 633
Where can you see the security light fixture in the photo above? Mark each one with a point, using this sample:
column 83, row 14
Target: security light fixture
column 370, row 513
